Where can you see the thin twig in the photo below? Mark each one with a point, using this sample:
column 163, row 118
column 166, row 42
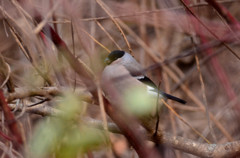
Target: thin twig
column 205, row 98
column 108, row 11
column 96, row 41
column 40, row 26
column 109, row 36
column 104, row 118
column 6, row 74
column 185, row 122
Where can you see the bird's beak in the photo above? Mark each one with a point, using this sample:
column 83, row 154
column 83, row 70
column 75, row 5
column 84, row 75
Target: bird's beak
column 107, row 61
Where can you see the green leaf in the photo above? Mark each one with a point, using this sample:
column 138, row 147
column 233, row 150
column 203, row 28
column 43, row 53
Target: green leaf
column 139, row 102
column 63, row 135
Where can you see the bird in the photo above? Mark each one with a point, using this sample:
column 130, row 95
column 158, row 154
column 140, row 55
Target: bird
column 126, row 63
column 122, row 78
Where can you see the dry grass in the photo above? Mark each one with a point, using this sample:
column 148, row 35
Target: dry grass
column 154, row 32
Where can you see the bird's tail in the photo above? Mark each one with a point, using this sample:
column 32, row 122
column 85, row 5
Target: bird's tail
column 168, row 96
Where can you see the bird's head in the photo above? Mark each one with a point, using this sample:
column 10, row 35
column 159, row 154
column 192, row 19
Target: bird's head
column 125, row 59
column 113, row 56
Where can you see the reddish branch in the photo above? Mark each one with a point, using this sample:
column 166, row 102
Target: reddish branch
column 219, row 70
column 184, row 2
column 138, row 144
column 217, row 67
column 10, row 120
column 86, row 77
column 5, row 136
column 224, row 13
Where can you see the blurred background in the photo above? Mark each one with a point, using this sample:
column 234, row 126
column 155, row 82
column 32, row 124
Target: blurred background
column 192, row 53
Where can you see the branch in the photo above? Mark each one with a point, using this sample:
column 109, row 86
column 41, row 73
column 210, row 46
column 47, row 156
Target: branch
column 10, row 120
column 40, row 109
column 224, row 12
column 89, row 80
column 24, row 93
column 47, row 92
column 229, row 149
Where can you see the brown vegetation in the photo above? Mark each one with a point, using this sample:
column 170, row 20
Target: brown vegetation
column 51, row 59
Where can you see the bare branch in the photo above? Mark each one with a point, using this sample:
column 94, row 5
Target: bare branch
column 229, row 149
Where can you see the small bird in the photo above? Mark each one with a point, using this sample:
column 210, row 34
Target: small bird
column 123, row 78
column 120, row 62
